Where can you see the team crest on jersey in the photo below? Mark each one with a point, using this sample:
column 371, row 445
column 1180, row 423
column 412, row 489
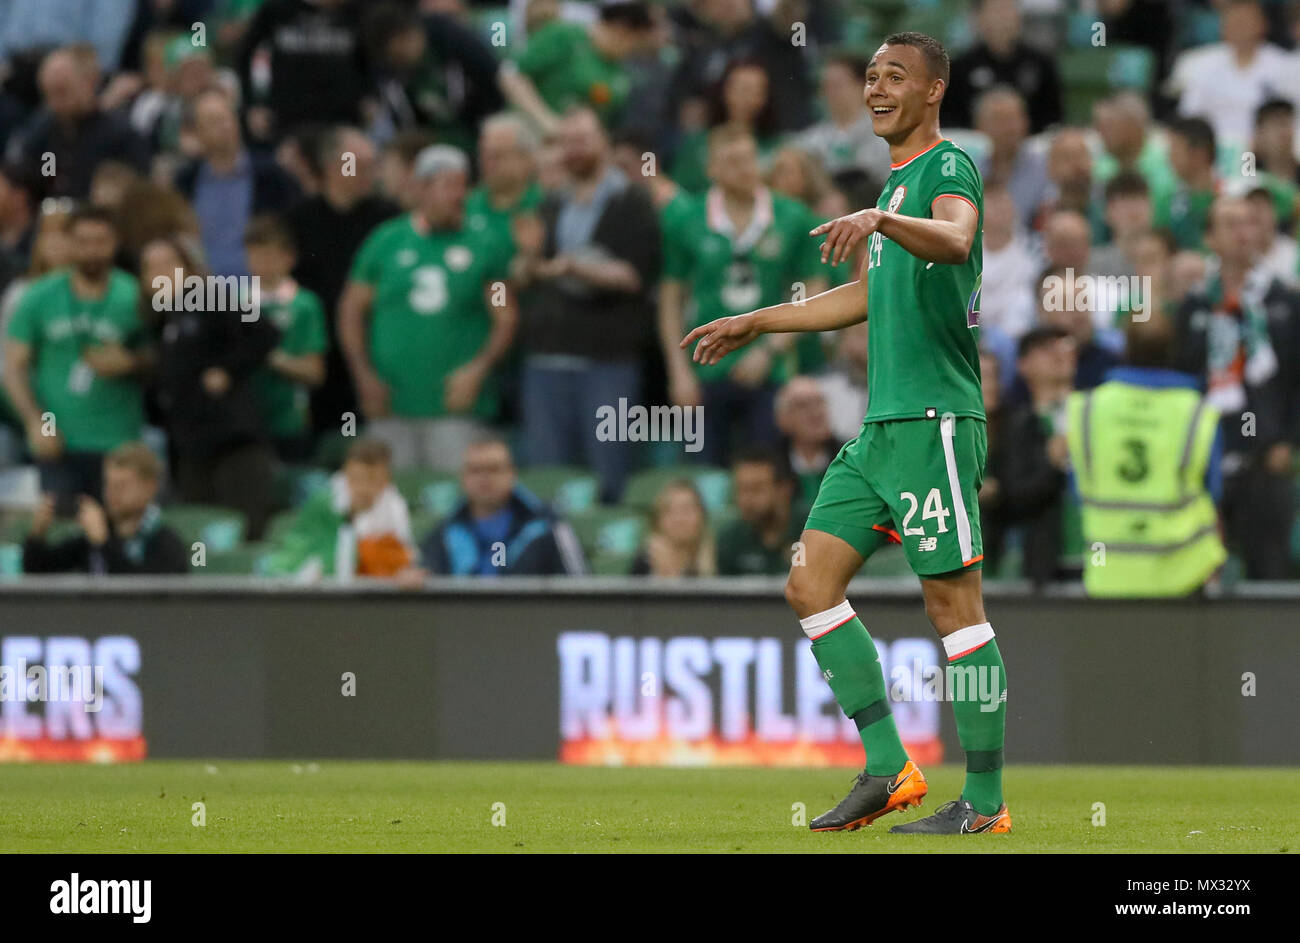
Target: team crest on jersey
column 458, row 258
column 406, row 257
column 896, row 200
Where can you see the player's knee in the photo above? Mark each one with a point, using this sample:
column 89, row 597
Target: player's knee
column 804, row 594
column 797, row 592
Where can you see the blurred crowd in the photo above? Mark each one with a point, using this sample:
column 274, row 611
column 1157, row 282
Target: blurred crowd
column 362, row 274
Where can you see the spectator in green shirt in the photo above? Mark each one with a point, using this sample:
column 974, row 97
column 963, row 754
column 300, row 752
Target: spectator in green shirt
column 508, row 188
column 566, row 64
column 734, row 249
column 426, row 315
column 761, row 541
column 70, row 370
column 297, row 364
column 1185, row 212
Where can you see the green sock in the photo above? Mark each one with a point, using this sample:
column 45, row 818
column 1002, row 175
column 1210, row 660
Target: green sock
column 851, row 665
column 979, row 703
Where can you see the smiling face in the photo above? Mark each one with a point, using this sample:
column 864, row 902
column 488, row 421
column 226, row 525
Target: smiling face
column 900, row 91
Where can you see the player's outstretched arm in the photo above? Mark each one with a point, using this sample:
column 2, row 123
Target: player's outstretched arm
column 947, row 238
column 827, row 311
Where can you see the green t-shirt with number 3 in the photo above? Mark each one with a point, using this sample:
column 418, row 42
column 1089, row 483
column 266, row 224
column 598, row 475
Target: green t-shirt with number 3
column 430, row 313
column 923, row 317
column 91, row 413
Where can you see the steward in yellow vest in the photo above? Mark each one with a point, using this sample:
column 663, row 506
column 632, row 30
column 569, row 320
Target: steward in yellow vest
column 1144, row 450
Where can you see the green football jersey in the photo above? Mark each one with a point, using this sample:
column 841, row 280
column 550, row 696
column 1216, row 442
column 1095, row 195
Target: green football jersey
column 91, row 413
column 567, row 70
column 481, row 214
column 300, row 319
column 430, row 313
column 724, row 278
column 923, row 317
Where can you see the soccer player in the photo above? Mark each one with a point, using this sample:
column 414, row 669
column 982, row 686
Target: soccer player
column 913, row 473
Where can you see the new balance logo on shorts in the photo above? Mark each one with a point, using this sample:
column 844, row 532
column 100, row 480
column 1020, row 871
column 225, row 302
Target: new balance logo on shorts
column 927, row 543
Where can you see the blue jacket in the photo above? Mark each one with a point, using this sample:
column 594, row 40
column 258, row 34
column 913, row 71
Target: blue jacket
column 537, row 543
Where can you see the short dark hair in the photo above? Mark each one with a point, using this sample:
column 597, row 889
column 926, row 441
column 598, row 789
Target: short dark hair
column 630, row 14
column 936, row 57
column 1274, row 108
column 763, row 455
column 382, row 22
column 1039, row 337
column 1127, row 183
column 89, row 213
column 268, row 229
column 1149, row 343
column 1197, row 132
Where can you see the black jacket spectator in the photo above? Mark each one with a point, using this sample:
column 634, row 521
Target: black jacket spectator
column 1032, row 490
column 1272, row 402
column 327, row 240
column 77, row 151
column 157, row 550
column 536, row 543
column 559, row 318
column 1030, row 72
column 319, row 67
column 200, row 424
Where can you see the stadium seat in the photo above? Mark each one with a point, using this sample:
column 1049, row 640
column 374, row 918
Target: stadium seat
column 567, row 489
column 423, row 524
column 611, row 564
column 714, row 485
column 220, row 529
column 435, row 492
column 1091, row 74
column 616, row 530
column 240, row 561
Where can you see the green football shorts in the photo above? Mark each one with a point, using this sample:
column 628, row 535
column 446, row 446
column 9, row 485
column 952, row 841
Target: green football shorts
column 914, row 482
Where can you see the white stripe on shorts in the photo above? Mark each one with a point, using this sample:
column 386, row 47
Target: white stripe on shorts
column 947, row 431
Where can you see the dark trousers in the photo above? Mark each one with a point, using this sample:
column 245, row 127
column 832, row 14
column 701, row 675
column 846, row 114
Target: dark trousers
column 240, row 478
column 735, row 413
column 1258, row 511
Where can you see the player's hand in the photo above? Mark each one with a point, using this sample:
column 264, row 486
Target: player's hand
column 719, row 338
column 461, row 388
column 846, row 232
column 374, row 395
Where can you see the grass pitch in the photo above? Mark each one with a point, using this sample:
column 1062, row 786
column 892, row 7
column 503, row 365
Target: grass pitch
column 336, row 806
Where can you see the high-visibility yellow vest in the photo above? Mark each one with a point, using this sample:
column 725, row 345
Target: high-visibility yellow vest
column 1139, row 455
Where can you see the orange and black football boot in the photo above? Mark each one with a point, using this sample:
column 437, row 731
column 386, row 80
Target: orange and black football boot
column 871, row 797
column 957, row 818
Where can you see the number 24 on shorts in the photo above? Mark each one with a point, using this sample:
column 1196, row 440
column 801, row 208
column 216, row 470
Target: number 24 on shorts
column 933, row 508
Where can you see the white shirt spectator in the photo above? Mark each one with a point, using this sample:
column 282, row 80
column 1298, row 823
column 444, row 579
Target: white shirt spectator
column 1007, row 298
column 1211, row 85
